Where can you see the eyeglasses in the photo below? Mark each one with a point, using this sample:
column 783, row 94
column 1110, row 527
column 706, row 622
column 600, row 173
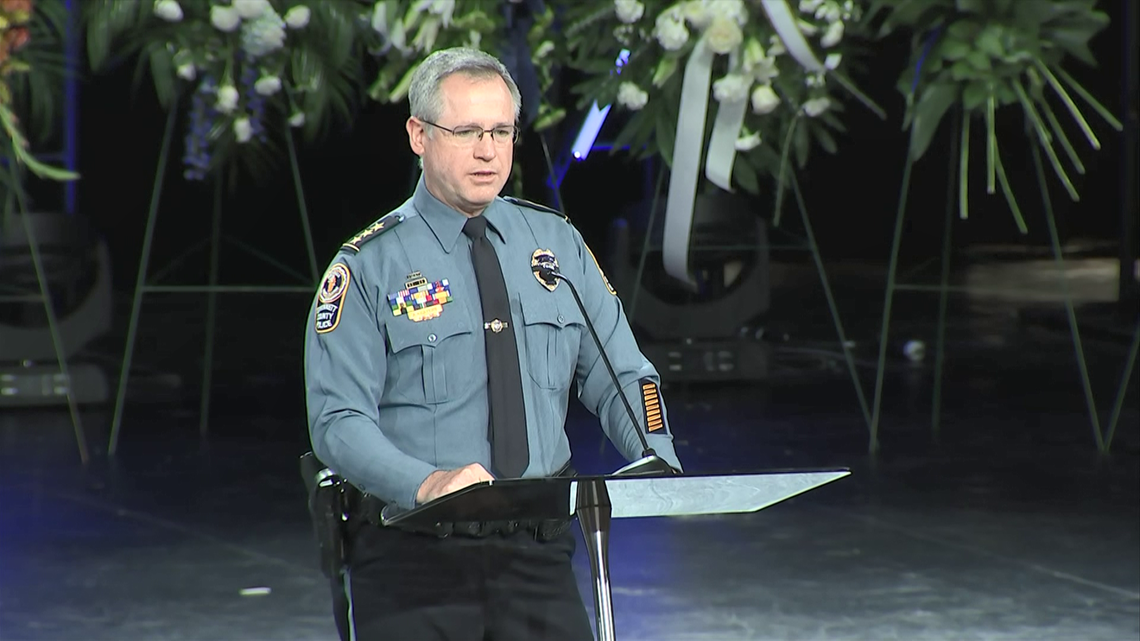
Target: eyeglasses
column 468, row 136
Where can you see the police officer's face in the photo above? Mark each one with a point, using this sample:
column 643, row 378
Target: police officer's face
column 467, row 175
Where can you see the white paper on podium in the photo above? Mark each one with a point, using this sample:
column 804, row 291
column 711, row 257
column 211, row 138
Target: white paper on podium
column 636, row 497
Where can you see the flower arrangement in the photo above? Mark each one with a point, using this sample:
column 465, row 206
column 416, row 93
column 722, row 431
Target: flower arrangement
column 774, row 71
column 518, row 32
column 30, row 64
column 983, row 55
column 251, row 68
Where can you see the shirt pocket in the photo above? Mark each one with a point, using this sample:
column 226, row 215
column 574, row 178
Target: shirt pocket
column 434, row 353
column 551, row 335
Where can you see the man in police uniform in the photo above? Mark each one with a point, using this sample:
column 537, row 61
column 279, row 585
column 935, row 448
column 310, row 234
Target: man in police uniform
column 428, row 325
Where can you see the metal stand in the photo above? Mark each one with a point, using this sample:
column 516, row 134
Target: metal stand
column 212, row 289
column 17, row 194
column 1102, row 436
column 594, row 510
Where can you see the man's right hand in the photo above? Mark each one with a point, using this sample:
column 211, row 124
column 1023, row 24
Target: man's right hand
column 441, row 482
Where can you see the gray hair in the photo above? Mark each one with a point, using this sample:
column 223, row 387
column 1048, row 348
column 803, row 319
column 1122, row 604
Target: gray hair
column 424, row 97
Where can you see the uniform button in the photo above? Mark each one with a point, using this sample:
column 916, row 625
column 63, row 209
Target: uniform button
column 431, row 338
column 561, row 318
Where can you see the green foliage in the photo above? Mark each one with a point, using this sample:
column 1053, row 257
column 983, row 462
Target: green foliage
column 404, row 32
column 318, row 63
column 993, row 54
column 33, row 68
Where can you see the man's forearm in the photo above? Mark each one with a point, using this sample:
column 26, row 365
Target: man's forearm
column 356, row 449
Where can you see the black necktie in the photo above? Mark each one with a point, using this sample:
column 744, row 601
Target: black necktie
column 509, row 452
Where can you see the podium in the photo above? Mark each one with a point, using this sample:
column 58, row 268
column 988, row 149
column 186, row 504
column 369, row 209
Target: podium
column 627, row 493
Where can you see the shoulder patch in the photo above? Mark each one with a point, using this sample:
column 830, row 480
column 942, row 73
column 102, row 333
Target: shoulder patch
column 533, row 205
column 372, row 231
column 331, row 297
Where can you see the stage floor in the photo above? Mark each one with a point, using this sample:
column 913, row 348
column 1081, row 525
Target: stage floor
column 1009, row 527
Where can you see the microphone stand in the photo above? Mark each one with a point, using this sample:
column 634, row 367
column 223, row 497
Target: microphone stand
column 649, row 463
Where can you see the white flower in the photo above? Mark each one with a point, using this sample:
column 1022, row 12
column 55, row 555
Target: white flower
column 809, row 6
column 723, row 35
column 249, row 9
column 670, row 32
column 187, row 71
column 764, row 100
column 474, row 38
column 733, row 10
column 267, row 85
column 168, row 10
column 815, row 80
column 631, row 96
column 298, row 16
column 629, row 11
column 224, row 18
column 816, row 106
column 807, row 28
column 776, row 46
column 243, row 129
column 697, row 12
column 227, row 99
column 833, row 35
column 765, row 69
column 832, row 61
column 829, row 12
column 732, row 88
column 748, row 142
column 262, row 35
column 297, row 119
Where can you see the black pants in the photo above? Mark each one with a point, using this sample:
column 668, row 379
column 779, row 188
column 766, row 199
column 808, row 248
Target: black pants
column 414, row 587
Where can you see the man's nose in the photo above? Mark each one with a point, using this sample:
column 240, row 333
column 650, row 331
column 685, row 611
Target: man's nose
column 485, row 147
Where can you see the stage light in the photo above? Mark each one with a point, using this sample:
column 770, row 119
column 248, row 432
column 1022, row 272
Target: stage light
column 596, row 117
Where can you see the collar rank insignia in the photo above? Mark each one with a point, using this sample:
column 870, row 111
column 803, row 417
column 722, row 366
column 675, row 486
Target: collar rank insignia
column 372, row 231
column 330, row 297
column 420, row 300
column 535, row 206
column 544, row 258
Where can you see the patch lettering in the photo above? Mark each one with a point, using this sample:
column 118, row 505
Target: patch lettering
column 330, row 297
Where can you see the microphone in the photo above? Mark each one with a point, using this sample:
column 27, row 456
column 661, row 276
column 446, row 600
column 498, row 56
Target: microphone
column 650, row 462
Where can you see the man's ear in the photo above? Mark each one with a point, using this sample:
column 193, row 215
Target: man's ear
column 416, row 135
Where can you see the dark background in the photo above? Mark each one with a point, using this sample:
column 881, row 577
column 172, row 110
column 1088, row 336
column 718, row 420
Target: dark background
column 353, row 176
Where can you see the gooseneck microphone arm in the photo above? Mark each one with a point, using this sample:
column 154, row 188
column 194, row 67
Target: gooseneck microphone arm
column 653, row 463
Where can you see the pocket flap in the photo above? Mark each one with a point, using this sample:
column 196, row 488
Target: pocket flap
column 403, row 332
column 549, row 310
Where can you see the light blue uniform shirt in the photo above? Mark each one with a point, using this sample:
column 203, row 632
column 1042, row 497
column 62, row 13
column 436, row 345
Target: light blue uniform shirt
column 393, row 397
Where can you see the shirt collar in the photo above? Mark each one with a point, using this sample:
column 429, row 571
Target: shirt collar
column 447, row 223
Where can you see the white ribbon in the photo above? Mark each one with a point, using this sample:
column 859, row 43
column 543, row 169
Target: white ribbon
column 784, row 22
column 686, row 162
column 722, row 144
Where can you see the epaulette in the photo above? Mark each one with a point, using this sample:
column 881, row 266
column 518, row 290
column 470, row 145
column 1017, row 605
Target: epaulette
column 532, row 205
column 372, row 231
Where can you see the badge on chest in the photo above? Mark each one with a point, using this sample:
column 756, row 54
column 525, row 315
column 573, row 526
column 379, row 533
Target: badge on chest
column 420, row 300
